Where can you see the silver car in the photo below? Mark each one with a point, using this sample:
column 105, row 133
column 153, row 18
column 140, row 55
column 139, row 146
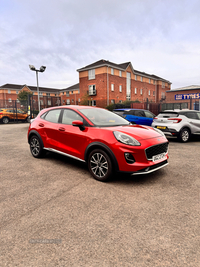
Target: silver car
column 180, row 123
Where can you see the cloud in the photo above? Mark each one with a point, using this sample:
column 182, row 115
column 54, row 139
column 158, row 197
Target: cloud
column 159, row 37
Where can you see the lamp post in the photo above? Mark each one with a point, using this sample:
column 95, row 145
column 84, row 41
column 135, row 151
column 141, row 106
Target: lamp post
column 42, row 69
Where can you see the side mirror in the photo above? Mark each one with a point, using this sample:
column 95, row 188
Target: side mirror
column 78, row 124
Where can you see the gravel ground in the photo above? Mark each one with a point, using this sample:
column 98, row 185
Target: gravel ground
column 53, row 213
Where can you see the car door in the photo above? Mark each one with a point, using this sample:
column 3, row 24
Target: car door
column 194, row 121
column 72, row 139
column 148, row 117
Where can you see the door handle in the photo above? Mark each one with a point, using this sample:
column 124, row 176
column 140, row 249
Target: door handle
column 41, row 124
column 61, row 129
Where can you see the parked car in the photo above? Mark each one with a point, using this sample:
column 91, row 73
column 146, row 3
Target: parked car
column 101, row 138
column 179, row 123
column 10, row 114
column 137, row 116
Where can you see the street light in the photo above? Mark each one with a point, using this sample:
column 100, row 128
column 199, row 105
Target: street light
column 42, row 69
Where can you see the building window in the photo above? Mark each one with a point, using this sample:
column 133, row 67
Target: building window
column 153, row 93
column 79, row 100
column 47, row 94
column 135, row 91
column 141, row 91
column 154, row 82
column 149, row 80
column 136, row 77
column 67, row 93
column 9, row 100
column 120, row 101
column 112, row 87
column 163, row 95
column 120, row 73
column 17, row 92
column 120, row 88
column 92, row 89
column 112, row 71
column 112, row 101
column 149, row 92
column 68, row 101
column 128, row 86
column 9, row 91
column 141, row 79
column 91, row 74
column 94, row 103
column 49, row 102
column 40, row 93
column 72, row 92
column 163, row 84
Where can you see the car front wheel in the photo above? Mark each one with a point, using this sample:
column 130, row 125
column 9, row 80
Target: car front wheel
column 184, row 135
column 36, row 147
column 100, row 165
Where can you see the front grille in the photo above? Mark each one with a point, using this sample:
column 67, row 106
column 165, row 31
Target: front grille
column 156, row 150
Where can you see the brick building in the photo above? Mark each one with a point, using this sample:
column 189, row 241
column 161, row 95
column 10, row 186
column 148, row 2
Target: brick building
column 9, row 93
column 105, row 82
column 184, row 97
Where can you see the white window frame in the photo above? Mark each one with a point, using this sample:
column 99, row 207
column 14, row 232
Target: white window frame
column 67, row 93
column 112, row 87
column 163, row 84
column 9, row 92
column 68, row 101
column 141, row 91
column 92, row 89
column 135, row 77
column 149, row 92
column 120, row 88
column 120, row 73
column 91, row 74
column 112, row 71
column 149, row 80
column 135, row 91
column 141, row 79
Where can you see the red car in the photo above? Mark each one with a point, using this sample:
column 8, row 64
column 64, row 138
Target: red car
column 104, row 140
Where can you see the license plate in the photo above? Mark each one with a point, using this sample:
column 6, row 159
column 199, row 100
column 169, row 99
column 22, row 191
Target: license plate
column 159, row 157
column 161, row 127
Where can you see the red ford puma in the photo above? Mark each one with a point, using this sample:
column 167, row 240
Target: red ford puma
column 105, row 141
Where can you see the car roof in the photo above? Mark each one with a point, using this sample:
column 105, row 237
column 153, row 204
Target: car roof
column 126, row 109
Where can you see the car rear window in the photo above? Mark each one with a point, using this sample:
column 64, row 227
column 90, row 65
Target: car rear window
column 168, row 115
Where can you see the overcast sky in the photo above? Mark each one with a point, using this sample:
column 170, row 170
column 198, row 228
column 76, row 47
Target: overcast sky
column 160, row 37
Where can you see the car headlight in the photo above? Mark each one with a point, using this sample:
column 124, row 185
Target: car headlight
column 159, row 131
column 126, row 139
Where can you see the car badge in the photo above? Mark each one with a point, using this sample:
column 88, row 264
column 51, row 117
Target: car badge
column 158, row 139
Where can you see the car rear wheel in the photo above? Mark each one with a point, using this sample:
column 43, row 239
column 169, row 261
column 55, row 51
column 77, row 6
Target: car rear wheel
column 5, row 120
column 184, row 135
column 36, row 147
column 100, row 165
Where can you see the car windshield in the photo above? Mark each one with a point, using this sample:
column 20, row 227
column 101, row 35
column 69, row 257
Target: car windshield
column 103, row 117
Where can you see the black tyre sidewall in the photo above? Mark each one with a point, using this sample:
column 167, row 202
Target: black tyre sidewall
column 5, row 118
column 40, row 154
column 109, row 172
column 180, row 135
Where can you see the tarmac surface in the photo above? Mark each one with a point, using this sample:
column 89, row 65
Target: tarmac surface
column 53, row 213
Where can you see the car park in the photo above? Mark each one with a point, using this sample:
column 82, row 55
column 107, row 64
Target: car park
column 136, row 116
column 105, row 141
column 180, row 123
column 12, row 114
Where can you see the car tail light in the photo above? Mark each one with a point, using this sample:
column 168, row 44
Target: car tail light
column 155, row 118
column 175, row 120
column 1, row 113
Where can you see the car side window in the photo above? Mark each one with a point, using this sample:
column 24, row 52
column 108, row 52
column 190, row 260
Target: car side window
column 149, row 114
column 198, row 114
column 192, row 115
column 139, row 113
column 53, row 115
column 69, row 116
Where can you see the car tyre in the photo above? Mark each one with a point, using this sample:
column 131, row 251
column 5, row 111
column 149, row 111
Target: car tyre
column 184, row 135
column 5, row 120
column 36, row 147
column 100, row 165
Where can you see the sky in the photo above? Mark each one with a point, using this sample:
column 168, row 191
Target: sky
column 160, row 37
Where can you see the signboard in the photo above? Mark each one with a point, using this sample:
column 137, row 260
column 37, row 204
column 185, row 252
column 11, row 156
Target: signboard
column 187, row 96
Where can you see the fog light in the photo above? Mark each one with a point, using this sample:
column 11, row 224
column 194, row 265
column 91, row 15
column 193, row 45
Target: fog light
column 129, row 158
